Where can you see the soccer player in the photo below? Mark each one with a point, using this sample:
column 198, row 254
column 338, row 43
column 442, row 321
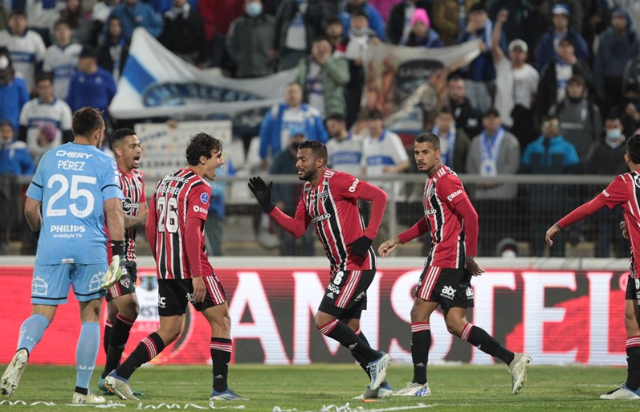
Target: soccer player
column 122, row 302
column 623, row 191
column 445, row 280
column 75, row 186
column 329, row 199
column 175, row 229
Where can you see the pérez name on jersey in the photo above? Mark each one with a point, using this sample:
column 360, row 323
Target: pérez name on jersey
column 68, row 164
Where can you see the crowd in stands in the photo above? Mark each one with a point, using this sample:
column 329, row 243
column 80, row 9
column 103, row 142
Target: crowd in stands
column 554, row 90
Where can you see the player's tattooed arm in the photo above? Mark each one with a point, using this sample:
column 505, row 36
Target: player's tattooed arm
column 137, row 222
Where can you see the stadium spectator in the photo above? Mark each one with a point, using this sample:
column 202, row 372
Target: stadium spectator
column 217, row 16
column 384, row 7
column 4, row 17
column 464, row 114
column 285, row 196
column 580, row 119
column 79, row 21
column 552, row 87
column 45, row 122
column 184, row 272
column 249, row 41
column 183, row 33
column 15, row 161
column 522, row 22
column 606, row 157
column 621, row 192
column 122, row 301
column 480, row 73
column 26, row 47
column 215, row 220
column 134, row 14
column 516, row 84
column 550, row 154
column 450, row 18
column 42, row 15
column 617, row 45
column 376, row 23
column 335, row 33
column 91, row 86
column 330, row 200
column 100, row 13
column 494, row 152
column 80, row 260
column 61, row 59
column 574, row 11
column 282, row 117
column 422, row 35
column 399, row 25
column 629, row 107
column 114, row 51
column 446, row 278
column 547, row 45
column 454, row 141
column 297, row 24
column 344, row 148
column 13, row 90
column 322, row 78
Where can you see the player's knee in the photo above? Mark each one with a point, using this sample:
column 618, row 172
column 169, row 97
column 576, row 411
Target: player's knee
column 455, row 327
column 131, row 310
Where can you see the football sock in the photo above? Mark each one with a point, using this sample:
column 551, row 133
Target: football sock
column 105, row 336
column 86, row 353
column 357, row 357
column 348, row 338
column 147, row 349
column 220, row 357
column 633, row 362
column 31, row 331
column 118, row 340
column 479, row 338
column 420, row 345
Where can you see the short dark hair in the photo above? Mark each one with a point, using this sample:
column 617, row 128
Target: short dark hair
column 359, row 12
column 18, row 12
column 549, row 117
column 43, row 77
column 320, row 38
column 429, row 138
column 373, row 114
column 491, row 112
column 317, row 148
column 338, row 117
column 331, row 21
column 5, row 122
column 633, row 148
column 201, row 144
column 577, row 79
column 86, row 121
column 478, row 7
column 445, row 110
column 118, row 136
column 614, row 114
column 454, row 77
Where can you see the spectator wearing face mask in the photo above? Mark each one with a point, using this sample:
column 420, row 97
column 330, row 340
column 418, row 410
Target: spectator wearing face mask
column 249, row 40
column 13, row 90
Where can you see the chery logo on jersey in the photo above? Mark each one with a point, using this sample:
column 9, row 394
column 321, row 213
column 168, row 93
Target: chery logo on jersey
column 454, row 195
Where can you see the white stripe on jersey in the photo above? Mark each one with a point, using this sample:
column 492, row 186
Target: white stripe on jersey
column 63, row 63
column 26, row 51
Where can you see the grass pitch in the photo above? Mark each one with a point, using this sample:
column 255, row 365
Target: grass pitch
column 312, row 388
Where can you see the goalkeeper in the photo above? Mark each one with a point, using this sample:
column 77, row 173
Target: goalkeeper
column 329, row 200
column 74, row 188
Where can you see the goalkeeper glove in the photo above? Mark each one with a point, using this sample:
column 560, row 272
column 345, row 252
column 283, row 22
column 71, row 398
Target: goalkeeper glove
column 114, row 272
column 360, row 246
column 262, row 192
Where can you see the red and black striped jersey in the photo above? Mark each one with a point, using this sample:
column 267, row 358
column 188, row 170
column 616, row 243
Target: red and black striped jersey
column 133, row 189
column 332, row 206
column 625, row 191
column 441, row 193
column 179, row 195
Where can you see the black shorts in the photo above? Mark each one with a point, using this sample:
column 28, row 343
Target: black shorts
column 346, row 294
column 633, row 290
column 174, row 294
column 451, row 288
column 127, row 283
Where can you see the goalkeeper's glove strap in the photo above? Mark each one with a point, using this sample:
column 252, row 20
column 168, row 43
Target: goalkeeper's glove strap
column 117, row 248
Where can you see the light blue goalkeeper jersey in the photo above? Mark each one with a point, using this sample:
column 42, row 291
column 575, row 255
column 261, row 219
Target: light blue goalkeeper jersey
column 72, row 182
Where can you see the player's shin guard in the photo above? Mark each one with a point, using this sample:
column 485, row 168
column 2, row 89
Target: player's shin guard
column 106, row 336
column 348, row 338
column 220, row 357
column 420, row 345
column 479, row 338
column 86, row 354
column 31, row 331
column 117, row 341
column 633, row 362
column 147, row 349
column 361, row 361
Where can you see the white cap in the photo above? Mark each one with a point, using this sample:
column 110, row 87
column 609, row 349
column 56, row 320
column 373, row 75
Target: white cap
column 519, row 43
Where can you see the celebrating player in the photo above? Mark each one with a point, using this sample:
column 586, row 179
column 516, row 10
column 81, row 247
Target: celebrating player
column 445, row 280
column 623, row 191
column 122, row 303
column 73, row 189
column 175, row 229
column 329, row 199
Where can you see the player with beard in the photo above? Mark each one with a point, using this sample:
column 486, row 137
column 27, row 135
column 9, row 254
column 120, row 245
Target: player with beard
column 453, row 223
column 122, row 302
column 329, row 200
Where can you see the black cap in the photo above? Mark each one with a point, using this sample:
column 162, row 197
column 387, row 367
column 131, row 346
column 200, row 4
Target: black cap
column 492, row 112
column 88, row 51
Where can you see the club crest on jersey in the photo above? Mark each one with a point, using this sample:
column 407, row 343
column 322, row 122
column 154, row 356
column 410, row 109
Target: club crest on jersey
column 204, row 198
column 636, row 180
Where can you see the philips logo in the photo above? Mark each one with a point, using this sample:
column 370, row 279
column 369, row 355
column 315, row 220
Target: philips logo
column 67, row 229
column 352, row 189
column 454, row 195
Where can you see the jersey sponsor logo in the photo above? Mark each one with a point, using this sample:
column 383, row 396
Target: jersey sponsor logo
column 67, row 229
column 430, row 212
column 448, row 292
column 74, row 155
column 469, row 293
column 334, row 288
column 126, row 205
column 606, row 194
column 204, row 198
column 454, row 195
column 199, row 209
column 321, row 218
column 162, row 302
column 353, row 186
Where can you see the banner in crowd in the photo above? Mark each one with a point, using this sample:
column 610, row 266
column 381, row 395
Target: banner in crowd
column 157, row 83
column 405, row 83
column 164, row 143
column 558, row 317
